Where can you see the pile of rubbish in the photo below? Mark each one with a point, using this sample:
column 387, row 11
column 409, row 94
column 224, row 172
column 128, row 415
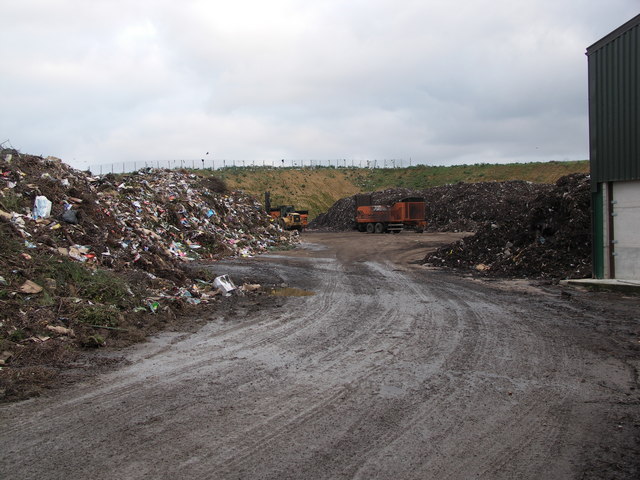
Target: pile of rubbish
column 146, row 219
column 548, row 236
column 522, row 229
column 86, row 258
column 151, row 220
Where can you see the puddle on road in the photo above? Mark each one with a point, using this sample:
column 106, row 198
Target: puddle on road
column 290, row 292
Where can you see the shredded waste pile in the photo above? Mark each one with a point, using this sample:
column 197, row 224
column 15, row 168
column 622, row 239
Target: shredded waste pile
column 522, row 229
column 548, row 237
column 86, row 259
column 465, row 207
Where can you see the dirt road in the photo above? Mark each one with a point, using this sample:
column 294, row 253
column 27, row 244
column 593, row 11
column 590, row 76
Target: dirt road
column 388, row 371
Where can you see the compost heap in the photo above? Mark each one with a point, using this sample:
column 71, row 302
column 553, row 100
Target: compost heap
column 548, row 237
column 87, row 260
column 522, row 229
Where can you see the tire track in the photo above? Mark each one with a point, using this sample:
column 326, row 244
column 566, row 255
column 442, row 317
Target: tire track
column 425, row 376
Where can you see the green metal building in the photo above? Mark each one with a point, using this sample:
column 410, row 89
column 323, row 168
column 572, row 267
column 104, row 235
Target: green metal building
column 614, row 144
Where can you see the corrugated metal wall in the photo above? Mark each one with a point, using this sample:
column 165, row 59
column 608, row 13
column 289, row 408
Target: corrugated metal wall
column 614, row 105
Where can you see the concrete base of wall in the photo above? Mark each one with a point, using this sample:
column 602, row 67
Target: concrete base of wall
column 608, row 285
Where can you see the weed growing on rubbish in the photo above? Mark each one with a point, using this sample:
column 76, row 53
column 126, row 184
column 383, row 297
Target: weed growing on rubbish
column 76, row 279
column 104, row 287
column 17, row 335
column 93, row 341
column 101, row 316
column 46, row 299
column 11, row 202
column 9, row 243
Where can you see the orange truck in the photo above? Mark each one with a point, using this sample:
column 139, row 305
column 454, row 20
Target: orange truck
column 407, row 214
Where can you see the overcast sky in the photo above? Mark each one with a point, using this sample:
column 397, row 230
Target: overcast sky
column 440, row 82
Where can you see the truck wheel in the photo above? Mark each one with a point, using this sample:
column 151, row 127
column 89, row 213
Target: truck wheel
column 362, row 227
column 370, row 228
column 379, row 228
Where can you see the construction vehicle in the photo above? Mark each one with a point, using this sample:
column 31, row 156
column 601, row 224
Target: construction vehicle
column 286, row 215
column 407, row 214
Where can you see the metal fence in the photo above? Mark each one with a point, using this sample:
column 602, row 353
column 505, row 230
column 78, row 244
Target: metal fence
column 213, row 164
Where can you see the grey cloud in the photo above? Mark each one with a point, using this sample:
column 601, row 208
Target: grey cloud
column 440, row 82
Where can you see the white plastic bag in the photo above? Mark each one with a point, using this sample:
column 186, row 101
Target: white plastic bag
column 224, row 283
column 41, row 207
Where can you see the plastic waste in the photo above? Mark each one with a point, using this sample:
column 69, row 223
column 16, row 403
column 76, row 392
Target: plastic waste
column 70, row 216
column 224, row 283
column 41, row 207
column 79, row 252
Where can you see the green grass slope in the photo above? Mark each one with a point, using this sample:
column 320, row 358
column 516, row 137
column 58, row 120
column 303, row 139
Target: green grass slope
column 316, row 189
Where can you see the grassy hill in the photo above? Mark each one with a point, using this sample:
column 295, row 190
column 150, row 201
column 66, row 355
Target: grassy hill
column 316, row 189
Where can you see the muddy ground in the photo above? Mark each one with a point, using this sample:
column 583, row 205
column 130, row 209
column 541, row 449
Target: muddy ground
column 390, row 370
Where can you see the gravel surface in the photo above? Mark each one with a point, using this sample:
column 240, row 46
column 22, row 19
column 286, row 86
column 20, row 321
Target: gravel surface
column 390, row 370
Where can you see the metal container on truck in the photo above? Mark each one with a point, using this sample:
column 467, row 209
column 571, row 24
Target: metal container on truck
column 406, row 214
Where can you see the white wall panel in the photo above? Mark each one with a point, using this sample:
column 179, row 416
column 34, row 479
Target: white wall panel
column 626, row 227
